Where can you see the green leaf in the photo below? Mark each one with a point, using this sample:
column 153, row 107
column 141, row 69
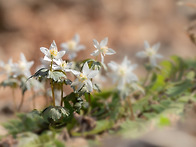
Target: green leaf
column 164, row 121
column 178, row 88
column 167, row 69
column 57, row 76
column 42, row 73
column 159, row 83
column 101, row 126
column 56, row 116
column 10, row 82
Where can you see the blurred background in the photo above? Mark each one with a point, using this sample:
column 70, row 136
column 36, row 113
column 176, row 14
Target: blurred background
column 27, row 25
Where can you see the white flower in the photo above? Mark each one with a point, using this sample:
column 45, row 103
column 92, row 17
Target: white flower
column 52, row 52
column 72, row 46
column 35, row 85
column 62, row 65
column 23, row 67
column 102, row 49
column 44, row 64
column 122, row 73
column 84, row 78
column 8, row 68
column 150, row 53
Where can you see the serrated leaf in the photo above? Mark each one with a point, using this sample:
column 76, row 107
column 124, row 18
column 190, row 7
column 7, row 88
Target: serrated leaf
column 57, row 76
column 43, row 73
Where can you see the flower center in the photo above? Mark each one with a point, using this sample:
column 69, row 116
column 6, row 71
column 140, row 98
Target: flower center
column 63, row 65
column 122, row 71
column 82, row 77
column 104, row 49
column 22, row 65
column 8, row 68
column 151, row 52
column 53, row 52
column 71, row 45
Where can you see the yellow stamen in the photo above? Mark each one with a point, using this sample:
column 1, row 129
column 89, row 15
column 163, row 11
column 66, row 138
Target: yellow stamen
column 104, row 49
column 82, row 77
column 122, row 71
column 63, row 64
column 22, row 65
column 71, row 45
column 150, row 52
column 53, row 52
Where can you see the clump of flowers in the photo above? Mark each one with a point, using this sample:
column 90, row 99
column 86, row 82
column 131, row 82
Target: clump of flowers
column 17, row 75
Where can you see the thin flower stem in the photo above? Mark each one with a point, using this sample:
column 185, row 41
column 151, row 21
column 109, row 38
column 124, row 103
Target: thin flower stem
column 52, row 86
column 131, row 108
column 147, row 78
column 14, row 99
column 33, row 99
column 45, row 94
column 62, row 94
column 89, row 102
column 21, row 102
column 53, row 98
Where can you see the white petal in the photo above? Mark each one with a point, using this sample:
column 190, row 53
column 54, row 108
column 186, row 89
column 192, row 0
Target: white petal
column 75, row 83
column 80, row 47
column 96, row 43
column 53, row 45
column 89, row 85
column 47, row 59
column 76, row 38
column 64, row 46
column 156, row 46
column 141, row 54
column 75, row 72
column 102, row 58
column 113, row 65
column 2, row 64
column 10, row 61
column 85, row 69
column 158, row 56
column 95, row 53
column 110, row 51
column 153, row 61
column 79, row 86
column 92, row 73
column 22, row 57
column 58, row 62
column 30, row 64
column 104, row 42
column 55, row 67
column 72, row 55
column 60, row 54
column 45, row 51
column 146, row 44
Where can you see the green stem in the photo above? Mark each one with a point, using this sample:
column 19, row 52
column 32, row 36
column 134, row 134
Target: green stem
column 146, row 78
column 62, row 94
column 53, row 98
column 21, row 102
column 52, row 86
column 14, row 99
column 33, row 99
column 131, row 108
